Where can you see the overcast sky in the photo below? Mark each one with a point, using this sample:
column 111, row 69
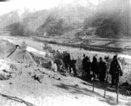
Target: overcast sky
column 38, row 4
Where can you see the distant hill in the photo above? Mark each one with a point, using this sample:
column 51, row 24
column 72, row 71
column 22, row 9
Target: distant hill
column 73, row 16
column 111, row 19
column 9, row 18
column 106, row 20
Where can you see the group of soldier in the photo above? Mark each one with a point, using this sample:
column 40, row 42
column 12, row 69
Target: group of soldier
column 100, row 68
column 97, row 69
column 64, row 62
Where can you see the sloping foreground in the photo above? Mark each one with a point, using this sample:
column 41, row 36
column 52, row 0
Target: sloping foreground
column 32, row 85
column 53, row 90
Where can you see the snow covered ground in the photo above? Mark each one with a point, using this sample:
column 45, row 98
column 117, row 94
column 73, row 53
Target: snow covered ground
column 54, row 89
column 55, row 92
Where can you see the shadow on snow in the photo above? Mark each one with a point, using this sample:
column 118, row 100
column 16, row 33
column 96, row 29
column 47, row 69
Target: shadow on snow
column 75, row 89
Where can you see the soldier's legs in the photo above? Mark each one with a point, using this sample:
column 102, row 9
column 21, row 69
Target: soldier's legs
column 100, row 77
column 66, row 66
column 74, row 71
column 113, row 79
column 88, row 74
column 69, row 68
column 103, row 77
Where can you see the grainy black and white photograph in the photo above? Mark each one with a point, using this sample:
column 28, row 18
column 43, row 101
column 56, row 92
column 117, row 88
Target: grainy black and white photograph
column 65, row 52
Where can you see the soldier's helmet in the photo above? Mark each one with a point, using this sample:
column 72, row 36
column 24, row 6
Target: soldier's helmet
column 100, row 59
column 84, row 55
column 115, row 57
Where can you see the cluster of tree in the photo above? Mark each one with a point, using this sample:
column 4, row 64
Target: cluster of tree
column 110, row 19
column 53, row 26
column 107, row 25
column 19, row 29
column 108, row 28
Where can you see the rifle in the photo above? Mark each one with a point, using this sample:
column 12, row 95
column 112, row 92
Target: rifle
column 117, row 89
column 106, row 79
column 93, row 81
column 105, row 83
column 117, row 85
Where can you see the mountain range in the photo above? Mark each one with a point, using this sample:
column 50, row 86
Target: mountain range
column 106, row 17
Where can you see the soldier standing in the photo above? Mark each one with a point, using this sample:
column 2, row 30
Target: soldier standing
column 88, row 68
column 66, row 60
column 115, row 70
column 102, row 70
column 94, row 67
column 84, row 62
column 73, row 67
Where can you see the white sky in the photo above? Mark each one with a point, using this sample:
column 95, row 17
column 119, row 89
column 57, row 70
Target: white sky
column 37, row 4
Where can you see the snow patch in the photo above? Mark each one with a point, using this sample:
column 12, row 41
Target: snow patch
column 4, row 65
column 31, row 49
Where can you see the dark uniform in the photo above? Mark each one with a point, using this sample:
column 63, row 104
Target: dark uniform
column 102, row 70
column 94, row 67
column 88, row 68
column 84, row 61
column 73, row 67
column 58, row 60
column 115, row 70
column 66, row 60
column 59, row 64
